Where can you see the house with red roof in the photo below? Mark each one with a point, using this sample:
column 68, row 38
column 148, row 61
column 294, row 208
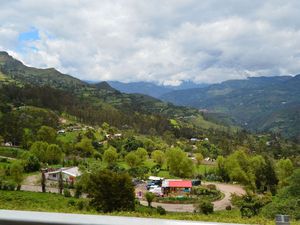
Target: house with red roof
column 176, row 187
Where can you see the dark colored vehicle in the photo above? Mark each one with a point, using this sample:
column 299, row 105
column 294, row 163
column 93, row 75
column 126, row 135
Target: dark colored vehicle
column 196, row 182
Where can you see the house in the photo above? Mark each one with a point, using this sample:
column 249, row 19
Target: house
column 69, row 174
column 61, row 132
column 8, row 144
column 176, row 187
column 194, row 139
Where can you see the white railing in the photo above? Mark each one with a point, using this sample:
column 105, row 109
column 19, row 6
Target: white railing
column 12, row 217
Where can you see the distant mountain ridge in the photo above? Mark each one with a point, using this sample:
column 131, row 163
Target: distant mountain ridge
column 257, row 103
column 152, row 89
column 97, row 100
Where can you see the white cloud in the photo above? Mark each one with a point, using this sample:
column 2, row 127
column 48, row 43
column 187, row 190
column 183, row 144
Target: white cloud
column 162, row 41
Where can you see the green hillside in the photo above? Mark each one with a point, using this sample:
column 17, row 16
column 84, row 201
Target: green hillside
column 260, row 104
column 92, row 103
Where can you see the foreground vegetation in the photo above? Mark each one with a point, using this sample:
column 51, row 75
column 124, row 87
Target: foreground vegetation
column 47, row 202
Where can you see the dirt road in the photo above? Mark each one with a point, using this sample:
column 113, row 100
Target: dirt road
column 226, row 189
column 31, row 183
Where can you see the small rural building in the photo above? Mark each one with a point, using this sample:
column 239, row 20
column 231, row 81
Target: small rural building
column 69, row 174
column 176, row 187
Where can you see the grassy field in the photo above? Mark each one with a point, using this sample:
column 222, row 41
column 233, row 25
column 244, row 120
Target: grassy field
column 48, row 202
column 11, row 152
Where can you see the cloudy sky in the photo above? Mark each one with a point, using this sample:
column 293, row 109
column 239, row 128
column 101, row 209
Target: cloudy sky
column 164, row 41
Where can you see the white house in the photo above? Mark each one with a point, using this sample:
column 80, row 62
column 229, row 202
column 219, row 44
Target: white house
column 69, row 174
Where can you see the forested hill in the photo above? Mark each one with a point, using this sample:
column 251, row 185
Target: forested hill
column 89, row 103
column 258, row 103
column 152, row 89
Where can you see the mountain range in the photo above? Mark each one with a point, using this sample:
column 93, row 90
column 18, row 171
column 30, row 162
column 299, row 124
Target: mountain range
column 260, row 104
column 256, row 103
column 152, row 89
column 93, row 102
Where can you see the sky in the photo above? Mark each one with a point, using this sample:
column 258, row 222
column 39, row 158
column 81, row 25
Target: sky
column 161, row 41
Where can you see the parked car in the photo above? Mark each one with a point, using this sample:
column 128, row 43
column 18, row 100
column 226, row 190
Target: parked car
column 157, row 191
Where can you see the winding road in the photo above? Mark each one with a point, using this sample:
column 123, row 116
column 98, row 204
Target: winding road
column 31, row 183
column 226, row 189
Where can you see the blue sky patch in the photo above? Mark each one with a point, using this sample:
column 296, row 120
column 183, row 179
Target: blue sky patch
column 31, row 35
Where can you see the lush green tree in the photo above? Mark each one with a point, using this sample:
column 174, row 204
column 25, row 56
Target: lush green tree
column 239, row 168
column 111, row 191
column 132, row 159
column 54, row 154
column 132, row 144
column 286, row 200
column 284, row 169
column 293, row 188
column 39, row 149
column 90, row 134
column 110, row 156
column 158, row 157
column 221, row 169
column 250, row 204
column 149, row 197
column 199, row 158
column 179, row 164
column 16, row 172
column 85, row 147
column 31, row 163
column 47, row 134
column 142, row 154
column 27, row 138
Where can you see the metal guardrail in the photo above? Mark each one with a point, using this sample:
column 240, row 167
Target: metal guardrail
column 12, row 217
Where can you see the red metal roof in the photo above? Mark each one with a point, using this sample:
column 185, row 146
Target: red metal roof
column 181, row 183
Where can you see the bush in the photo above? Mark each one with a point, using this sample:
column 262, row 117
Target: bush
column 161, row 210
column 7, row 185
column 211, row 187
column 149, row 197
column 228, row 208
column 67, row 193
column 83, row 205
column 205, row 207
column 71, row 202
column 250, row 204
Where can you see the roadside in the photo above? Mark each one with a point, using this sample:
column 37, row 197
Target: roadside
column 226, row 189
column 32, row 181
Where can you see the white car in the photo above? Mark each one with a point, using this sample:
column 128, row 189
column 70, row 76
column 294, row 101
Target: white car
column 157, row 191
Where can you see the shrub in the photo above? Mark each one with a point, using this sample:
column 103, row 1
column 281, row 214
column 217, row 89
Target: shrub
column 67, row 193
column 149, row 197
column 71, row 202
column 80, row 205
column 211, row 187
column 228, row 208
column 161, row 210
column 205, row 207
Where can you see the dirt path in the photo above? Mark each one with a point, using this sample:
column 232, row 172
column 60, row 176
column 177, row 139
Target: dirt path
column 226, row 189
column 5, row 157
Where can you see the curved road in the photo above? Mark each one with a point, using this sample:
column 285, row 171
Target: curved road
column 226, row 189
column 30, row 184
